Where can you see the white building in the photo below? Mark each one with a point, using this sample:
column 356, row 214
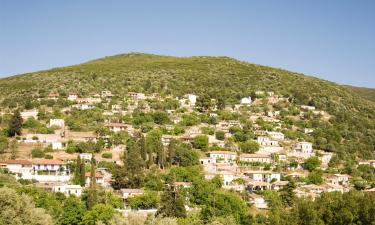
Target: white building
column 17, row 166
column 29, row 114
column 278, row 136
column 224, row 156
column 57, row 122
column 263, row 176
column 126, row 192
column 255, row 158
column 245, row 101
column 67, row 189
column 116, row 127
column 106, row 94
column 307, row 107
column 54, row 140
column 339, row 179
column 266, row 141
column 192, row 99
column 52, row 166
column 304, row 147
column 72, row 97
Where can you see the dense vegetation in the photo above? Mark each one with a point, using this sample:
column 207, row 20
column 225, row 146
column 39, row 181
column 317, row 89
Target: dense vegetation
column 350, row 130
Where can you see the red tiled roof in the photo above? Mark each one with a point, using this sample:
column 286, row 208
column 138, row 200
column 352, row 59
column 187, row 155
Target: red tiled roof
column 48, row 162
column 97, row 174
column 15, row 161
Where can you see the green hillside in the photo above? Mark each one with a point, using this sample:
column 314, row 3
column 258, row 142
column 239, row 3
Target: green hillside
column 350, row 130
column 367, row 93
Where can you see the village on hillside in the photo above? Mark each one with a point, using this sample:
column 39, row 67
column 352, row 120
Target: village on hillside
column 263, row 143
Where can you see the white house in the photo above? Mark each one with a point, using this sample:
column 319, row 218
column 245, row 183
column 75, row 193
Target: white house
column 99, row 177
column 245, row 101
column 106, row 94
column 29, row 114
column 126, row 193
column 367, row 162
column 68, row 189
column 57, row 122
column 225, row 156
column 192, row 99
column 137, row 96
column 264, row 176
column 17, row 166
column 339, row 179
column 83, row 106
column 307, row 107
column 278, row 136
column 258, row 201
column 85, row 156
column 308, row 130
column 255, row 158
column 266, row 141
column 72, row 97
column 54, row 140
column 52, row 166
column 116, row 127
column 207, row 160
column 304, row 147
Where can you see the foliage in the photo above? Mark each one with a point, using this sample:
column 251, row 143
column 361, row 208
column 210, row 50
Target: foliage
column 311, row 163
column 171, row 204
column 148, row 200
column 15, row 124
column 20, row 209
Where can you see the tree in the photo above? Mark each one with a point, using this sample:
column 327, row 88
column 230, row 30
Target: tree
column 3, row 144
column 13, row 149
column 15, row 124
column 311, row 163
column 220, row 135
column 249, row 146
column 315, row 177
column 200, row 142
column 287, row 193
column 73, row 211
column 142, row 146
column 99, row 213
column 20, row 209
column 92, row 192
column 79, row 174
column 171, row 204
column 225, row 204
column 148, row 200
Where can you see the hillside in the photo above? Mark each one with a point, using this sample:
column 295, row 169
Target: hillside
column 367, row 93
column 216, row 77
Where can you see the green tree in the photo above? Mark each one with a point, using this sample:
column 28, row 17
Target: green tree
column 200, row 142
column 311, row 163
column 171, row 204
column 13, row 149
column 220, row 135
column 73, row 211
column 20, row 209
column 148, row 200
column 315, row 177
column 92, row 192
column 99, row 213
column 15, row 124
column 249, row 146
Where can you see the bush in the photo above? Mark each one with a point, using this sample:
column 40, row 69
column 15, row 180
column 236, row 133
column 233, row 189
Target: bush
column 48, row 156
column 220, row 135
column 147, row 200
column 37, row 153
column 107, row 155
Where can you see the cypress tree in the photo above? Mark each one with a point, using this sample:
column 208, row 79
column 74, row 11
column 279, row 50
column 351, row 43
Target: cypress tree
column 171, row 204
column 15, row 124
column 92, row 195
column 82, row 178
column 77, row 173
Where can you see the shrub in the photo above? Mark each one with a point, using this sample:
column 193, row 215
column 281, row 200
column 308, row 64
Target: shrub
column 107, row 155
column 37, row 153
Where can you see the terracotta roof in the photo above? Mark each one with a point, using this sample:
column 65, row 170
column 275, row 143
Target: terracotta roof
column 115, row 125
column 129, row 190
column 222, row 152
column 48, row 162
column 97, row 174
column 15, row 161
column 245, row 155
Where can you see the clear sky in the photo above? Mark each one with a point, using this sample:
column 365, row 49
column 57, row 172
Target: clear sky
column 331, row 39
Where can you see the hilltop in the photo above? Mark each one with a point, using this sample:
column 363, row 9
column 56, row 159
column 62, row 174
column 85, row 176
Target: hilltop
column 214, row 77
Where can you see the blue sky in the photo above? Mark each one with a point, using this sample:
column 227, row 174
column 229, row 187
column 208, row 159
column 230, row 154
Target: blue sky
column 330, row 39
